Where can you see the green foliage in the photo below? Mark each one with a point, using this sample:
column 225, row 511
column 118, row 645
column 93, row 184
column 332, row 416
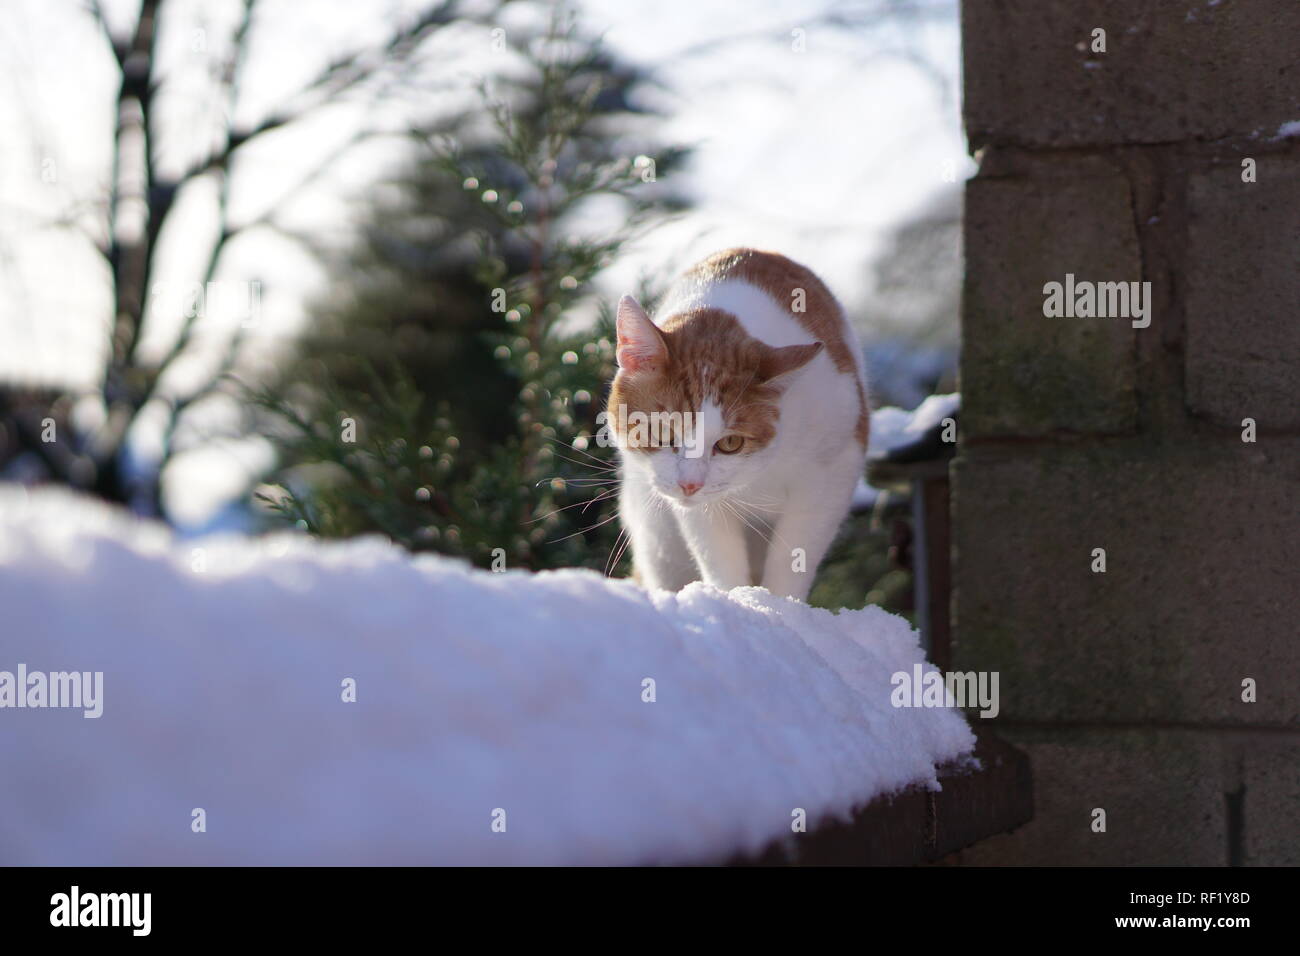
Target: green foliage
column 859, row 569
column 448, row 340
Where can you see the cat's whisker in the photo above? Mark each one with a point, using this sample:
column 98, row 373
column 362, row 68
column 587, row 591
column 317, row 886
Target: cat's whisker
column 756, row 506
column 580, row 481
column 622, row 532
column 627, row 541
column 741, row 408
column 616, row 553
column 741, row 394
column 586, row 503
column 770, row 526
column 749, row 509
column 598, row 524
column 600, row 497
column 736, row 511
column 595, row 462
column 761, row 499
column 585, row 464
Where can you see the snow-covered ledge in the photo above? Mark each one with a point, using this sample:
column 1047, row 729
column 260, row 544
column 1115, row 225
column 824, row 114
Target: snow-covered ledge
column 480, row 699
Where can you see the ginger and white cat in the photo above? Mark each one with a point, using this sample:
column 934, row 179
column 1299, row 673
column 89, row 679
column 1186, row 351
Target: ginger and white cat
column 749, row 483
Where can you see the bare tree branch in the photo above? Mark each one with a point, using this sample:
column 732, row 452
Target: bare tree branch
column 338, row 77
column 128, row 383
column 162, row 195
column 230, row 78
column 96, row 10
column 341, row 75
column 129, row 260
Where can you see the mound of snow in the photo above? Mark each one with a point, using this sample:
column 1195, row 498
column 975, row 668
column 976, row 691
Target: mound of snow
column 480, row 697
column 894, row 428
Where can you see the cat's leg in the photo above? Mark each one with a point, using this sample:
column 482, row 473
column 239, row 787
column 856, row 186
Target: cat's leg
column 717, row 540
column 807, row 524
column 660, row 558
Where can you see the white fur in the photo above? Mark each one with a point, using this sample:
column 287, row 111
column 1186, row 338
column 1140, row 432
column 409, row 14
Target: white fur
column 754, row 511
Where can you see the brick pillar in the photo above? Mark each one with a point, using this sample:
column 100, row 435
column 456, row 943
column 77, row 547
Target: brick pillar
column 1126, row 686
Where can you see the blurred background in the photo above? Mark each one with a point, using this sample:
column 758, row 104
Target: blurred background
column 349, row 266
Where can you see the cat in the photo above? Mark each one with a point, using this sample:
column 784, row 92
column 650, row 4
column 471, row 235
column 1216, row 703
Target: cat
column 740, row 418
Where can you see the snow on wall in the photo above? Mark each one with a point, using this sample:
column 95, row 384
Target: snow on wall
column 476, row 692
column 894, row 428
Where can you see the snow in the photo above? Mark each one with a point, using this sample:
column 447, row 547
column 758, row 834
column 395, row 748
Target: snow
column 1288, row 129
column 864, row 496
column 894, row 428
column 223, row 661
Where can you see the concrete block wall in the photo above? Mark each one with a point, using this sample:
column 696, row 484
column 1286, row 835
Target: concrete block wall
column 1126, row 165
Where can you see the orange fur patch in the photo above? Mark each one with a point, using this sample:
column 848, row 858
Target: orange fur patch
column 710, row 358
column 782, row 279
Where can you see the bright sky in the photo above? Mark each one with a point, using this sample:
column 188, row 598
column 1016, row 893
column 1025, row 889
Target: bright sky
column 811, row 138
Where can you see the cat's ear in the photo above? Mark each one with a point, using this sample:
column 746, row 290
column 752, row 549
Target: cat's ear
column 641, row 345
column 782, row 361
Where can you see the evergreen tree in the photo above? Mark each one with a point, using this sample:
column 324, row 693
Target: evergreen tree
column 447, row 398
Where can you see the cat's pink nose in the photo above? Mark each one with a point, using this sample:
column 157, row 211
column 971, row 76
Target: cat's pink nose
column 689, row 487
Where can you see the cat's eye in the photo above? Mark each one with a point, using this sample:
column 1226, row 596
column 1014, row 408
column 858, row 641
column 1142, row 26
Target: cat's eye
column 729, row 444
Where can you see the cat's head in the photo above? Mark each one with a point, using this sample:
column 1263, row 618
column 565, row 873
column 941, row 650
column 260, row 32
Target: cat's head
column 695, row 404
